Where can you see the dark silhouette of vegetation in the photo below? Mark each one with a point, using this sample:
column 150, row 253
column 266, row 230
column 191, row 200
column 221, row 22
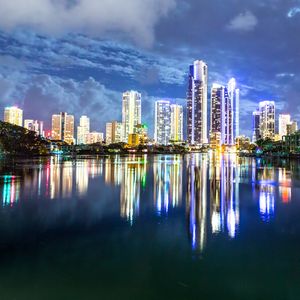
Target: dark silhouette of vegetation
column 17, row 140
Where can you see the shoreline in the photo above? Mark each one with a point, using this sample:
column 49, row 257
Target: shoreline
column 140, row 153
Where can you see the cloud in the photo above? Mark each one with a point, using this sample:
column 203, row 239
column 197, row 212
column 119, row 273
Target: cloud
column 43, row 95
column 246, row 21
column 293, row 12
column 133, row 19
column 75, row 52
column 285, row 75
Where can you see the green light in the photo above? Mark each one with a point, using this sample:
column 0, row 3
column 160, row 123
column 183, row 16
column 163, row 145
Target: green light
column 144, row 181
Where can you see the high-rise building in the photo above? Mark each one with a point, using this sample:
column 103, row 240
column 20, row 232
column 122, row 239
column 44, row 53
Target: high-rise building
column 292, row 128
column 114, row 132
column 234, row 96
column 176, row 123
column 267, row 119
column 162, row 130
column 34, row 125
column 224, row 118
column 13, row 115
column 284, row 121
column 197, row 104
column 256, row 126
column 131, row 112
column 227, row 119
column 83, row 130
column 217, row 95
column 63, row 127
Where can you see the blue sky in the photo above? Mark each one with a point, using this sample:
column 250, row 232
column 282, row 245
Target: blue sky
column 80, row 55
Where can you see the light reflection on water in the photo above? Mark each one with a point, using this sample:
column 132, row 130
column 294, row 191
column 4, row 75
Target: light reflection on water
column 207, row 186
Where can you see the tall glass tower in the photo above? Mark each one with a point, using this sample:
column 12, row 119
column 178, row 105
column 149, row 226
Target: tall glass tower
column 217, row 95
column 267, row 119
column 176, row 122
column 224, row 118
column 197, row 104
column 234, row 96
column 256, row 126
column 131, row 112
column 162, row 132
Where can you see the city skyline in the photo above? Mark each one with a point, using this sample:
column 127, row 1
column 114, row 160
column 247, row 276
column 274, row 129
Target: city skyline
column 221, row 106
column 223, row 116
column 85, row 73
column 164, row 132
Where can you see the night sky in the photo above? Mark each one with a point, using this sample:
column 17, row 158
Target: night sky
column 80, row 55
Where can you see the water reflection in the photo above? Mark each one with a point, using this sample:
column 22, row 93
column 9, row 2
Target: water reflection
column 196, row 200
column 223, row 184
column 11, row 190
column 206, row 186
column 133, row 176
column 167, row 173
column 285, row 185
column 264, row 188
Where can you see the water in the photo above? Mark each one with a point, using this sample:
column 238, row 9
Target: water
column 150, row 227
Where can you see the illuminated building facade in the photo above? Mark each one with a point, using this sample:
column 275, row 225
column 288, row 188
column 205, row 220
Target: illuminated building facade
column 224, row 116
column 292, row 128
column 34, row 125
column 284, row 121
column 131, row 112
column 217, row 95
column 176, row 123
column 114, row 132
column 267, row 119
column 133, row 139
column 256, row 126
column 234, row 96
column 162, row 130
column 227, row 120
column 63, row 127
column 94, row 137
column 83, row 130
column 13, row 115
column 197, row 104
column 142, row 131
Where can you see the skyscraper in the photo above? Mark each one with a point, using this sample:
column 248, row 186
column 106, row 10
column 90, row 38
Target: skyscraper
column 197, row 104
column 13, row 115
column 83, row 130
column 131, row 112
column 114, row 132
column 234, row 95
column 162, row 131
column 256, row 126
column 227, row 119
column 224, row 116
column 63, row 127
column 267, row 119
column 176, row 122
column 217, row 95
column 284, row 121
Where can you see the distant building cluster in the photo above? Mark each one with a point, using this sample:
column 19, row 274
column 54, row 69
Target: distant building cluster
column 264, row 123
column 217, row 126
